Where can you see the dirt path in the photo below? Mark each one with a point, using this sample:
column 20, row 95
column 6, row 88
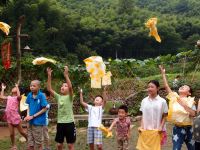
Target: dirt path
column 4, row 132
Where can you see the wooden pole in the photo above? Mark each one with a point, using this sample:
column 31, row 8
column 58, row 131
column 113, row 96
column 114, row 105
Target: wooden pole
column 18, row 46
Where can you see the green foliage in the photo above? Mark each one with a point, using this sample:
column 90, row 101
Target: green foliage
column 104, row 27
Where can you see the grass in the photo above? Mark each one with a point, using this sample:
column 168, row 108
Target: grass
column 108, row 143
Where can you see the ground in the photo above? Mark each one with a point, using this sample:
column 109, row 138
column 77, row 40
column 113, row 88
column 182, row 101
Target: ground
column 109, row 143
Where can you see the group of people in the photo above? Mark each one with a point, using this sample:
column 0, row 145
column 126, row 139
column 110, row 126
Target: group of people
column 154, row 112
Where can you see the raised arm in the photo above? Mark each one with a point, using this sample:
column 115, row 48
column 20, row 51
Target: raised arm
column 104, row 96
column 66, row 75
column 18, row 92
column 2, row 96
column 49, row 88
column 84, row 104
column 166, row 85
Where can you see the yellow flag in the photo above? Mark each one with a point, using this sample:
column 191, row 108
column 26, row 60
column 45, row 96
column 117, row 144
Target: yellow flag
column 151, row 24
column 5, row 28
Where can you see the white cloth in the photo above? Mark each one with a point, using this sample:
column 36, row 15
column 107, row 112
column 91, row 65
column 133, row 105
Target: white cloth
column 95, row 115
column 152, row 112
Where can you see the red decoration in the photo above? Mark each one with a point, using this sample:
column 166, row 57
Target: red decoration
column 5, row 54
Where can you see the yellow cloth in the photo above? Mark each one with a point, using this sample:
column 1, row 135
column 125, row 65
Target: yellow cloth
column 105, row 131
column 149, row 140
column 97, row 69
column 95, row 82
column 106, row 80
column 23, row 105
column 176, row 113
column 151, row 24
column 95, row 66
column 42, row 60
column 5, row 28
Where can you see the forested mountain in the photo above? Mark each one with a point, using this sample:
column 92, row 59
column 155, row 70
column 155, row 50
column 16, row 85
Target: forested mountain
column 80, row 28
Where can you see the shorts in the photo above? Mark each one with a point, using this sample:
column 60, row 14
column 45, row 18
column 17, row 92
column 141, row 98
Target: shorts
column 66, row 130
column 94, row 136
column 35, row 134
column 45, row 133
column 122, row 143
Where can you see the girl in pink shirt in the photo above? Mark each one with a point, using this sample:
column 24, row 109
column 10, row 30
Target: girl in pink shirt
column 11, row 113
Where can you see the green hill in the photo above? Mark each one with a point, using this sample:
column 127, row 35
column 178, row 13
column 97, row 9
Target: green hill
column 80, row 28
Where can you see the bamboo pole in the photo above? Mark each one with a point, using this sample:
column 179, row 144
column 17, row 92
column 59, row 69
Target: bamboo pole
column 18, row 46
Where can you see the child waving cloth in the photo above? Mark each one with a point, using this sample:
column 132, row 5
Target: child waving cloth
column 94, row 135
column 154, row 111
column 11, row 113
column 181, row 112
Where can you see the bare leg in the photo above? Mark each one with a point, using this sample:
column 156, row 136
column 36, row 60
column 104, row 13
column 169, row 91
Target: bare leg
column 99, row 147
column 30, row 148
column 59, row 146
column 21, row 131
column 70, row 146
column 38, row 146
column 12, row 134
column 92, row 146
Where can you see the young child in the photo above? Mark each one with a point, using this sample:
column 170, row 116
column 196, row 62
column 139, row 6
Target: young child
column 65, row 121
column 45, row 128
column 94, row 136
column 36, row 115
column 181, row 133
column 122, row 124
column 11, row 113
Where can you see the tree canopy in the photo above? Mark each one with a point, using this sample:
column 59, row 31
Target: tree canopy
column 110, row 28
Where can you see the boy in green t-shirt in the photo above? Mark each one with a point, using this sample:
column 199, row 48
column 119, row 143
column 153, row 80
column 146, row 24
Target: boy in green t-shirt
column 65, row 121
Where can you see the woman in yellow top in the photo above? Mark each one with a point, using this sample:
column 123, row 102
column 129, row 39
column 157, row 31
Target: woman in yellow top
column 183, row 112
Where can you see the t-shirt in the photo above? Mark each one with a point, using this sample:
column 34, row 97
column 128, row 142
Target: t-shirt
column 122, row 126
column 177, row 113
column 95, row 115
column 152, row 112
column 35, row 105
column 65, row 112
column 12, row 103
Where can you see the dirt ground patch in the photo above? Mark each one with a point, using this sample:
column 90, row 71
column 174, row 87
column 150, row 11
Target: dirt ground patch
column 108, row 143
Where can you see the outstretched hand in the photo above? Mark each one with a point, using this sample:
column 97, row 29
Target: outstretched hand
column 80, row 90
column 162, row 69
column 66, row 70
column 16, row 85
column 3, row 86
column 49, row 71
column 28, row 118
